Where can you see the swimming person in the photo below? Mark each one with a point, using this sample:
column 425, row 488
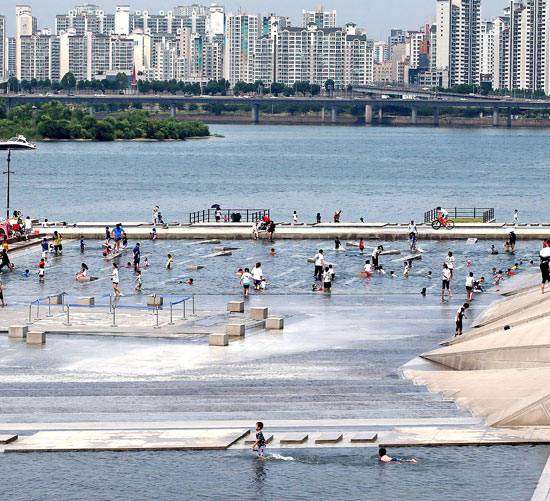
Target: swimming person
column 493, row 250
column 384, row 458
column 259, row 444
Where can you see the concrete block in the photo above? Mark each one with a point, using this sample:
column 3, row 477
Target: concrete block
column 218, row 340
column 236, row 329
column 293, row 438
column 55, row 300
column 194, row 267
column 364, row 438
column 154, row 300
column 329, row 438
column 275, row 323
column 222, row 248
column 258, row 313
column 235, row 306
column 18, row 331
column 36, row 337
column 86, row 301
column 6, row 439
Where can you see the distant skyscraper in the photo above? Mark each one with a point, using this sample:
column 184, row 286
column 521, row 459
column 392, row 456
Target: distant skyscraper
column 242, row 33
column 322, row 18
column 40, row 57
column 122, row 20
column 458, row 41
column 10, row 56
column 25, row 25
column 2, row 47
column 487, row 51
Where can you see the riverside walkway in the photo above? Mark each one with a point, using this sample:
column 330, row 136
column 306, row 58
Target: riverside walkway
column 328, row 231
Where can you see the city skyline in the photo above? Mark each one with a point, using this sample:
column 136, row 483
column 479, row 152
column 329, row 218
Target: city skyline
column 371, row 15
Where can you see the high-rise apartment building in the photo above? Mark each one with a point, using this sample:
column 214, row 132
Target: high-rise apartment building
column 321, row 18
column 10, row 56
column 39, row 57
column 487, row 51
column 25, row 25
column 458, row 41
column 242, row 33
column 2, row 48
column 85, row 18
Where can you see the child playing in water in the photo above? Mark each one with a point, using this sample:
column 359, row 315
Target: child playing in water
column 381, row 270
column 240, row 272
column 137, row 281
column 189, row 282
column 361, row 246
column 26, row 274
column 406, row 269
column 272, row 252
column 259, row 444
column 392, row 274
column 169, row 261
column 128, row 264
column 41, row 272
column 145, row 262
column 246, row 280
column 82, row 243
column 367, row 269
column 154, row 234
column 263, row 284
column 332, row 272
column 507, row 246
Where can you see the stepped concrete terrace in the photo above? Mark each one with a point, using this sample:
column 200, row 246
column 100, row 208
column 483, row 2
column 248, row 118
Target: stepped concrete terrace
column 500, row 369
column 240, row 231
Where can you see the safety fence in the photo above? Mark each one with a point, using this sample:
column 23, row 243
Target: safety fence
column 112, row 306
column 232, row 215
column 484, row 213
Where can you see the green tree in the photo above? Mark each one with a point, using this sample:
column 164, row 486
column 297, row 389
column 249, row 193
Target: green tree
column 13, row 84
column 329, row 85
column 68, row 81
column 121, row 81
column 2, row 109
column 103, row 131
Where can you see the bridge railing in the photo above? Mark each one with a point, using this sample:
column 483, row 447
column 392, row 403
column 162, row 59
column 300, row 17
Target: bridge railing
column 484, row 213
column 246, row 215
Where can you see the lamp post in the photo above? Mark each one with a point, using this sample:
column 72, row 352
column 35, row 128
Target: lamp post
column 8, row 172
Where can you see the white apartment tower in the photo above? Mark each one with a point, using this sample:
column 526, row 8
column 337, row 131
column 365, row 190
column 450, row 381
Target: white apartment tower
column 122, row 20
column 242, row 33
column 39, row 57
column 2, row 48
column 322, row 18
column 487, row 51
column 458, row 41
column 25, row 25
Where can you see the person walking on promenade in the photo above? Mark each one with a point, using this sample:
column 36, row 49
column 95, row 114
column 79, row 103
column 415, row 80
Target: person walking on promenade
column 450, row 262
column 270, row 231
column 512, row 240
column 545, row 273
column 470, row 286
column 115, row 281
column 516, row 219
column 337, row 215
column 155, row 215
column 318, row 218
column 2, row 294
column 319, row 262
column 294, row 218
column 246, row 280
column 137, row 256
column 460, row 314
column 118, row 233
column 446, row 283
column 218, row 214
column 57, row 245
column 28, row 227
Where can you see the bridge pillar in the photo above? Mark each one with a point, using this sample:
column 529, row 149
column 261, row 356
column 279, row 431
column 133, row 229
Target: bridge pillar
column 509, row 122
column 91, row 109
column 322, row 113
column 380, row 114
column 333, row 114
column 496, row 116
column 368, row 114
column 173, row 111
column 255, row 113
column 436, row 116
column 8, row 105
column 414, row 115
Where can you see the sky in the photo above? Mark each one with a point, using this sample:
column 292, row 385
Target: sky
column 377, row 16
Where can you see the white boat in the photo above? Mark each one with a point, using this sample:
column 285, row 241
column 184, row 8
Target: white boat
column 17, row 143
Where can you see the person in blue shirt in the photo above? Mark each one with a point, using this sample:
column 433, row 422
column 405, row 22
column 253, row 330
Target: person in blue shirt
column 44, row 245
column 137, row 256
column 82, row 243
column 118, row 233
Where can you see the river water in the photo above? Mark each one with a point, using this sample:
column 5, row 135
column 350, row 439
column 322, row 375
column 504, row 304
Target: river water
column 380, row 174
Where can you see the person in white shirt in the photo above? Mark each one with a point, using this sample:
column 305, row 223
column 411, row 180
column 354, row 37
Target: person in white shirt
column 257, row 275
column 294, row 218
column 327, row 279
column 450, row 262
column 446, row 283
column 218, row 215
column 114, row 279
column 246, row 280
column 28, row 227
column 412, row 228
column 367, row 269
column 470, row 286
column 442, row 215
column 319, row 262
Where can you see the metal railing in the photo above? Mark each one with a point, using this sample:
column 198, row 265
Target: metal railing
column 486, row 214
column 66, row 307
column 247, row 215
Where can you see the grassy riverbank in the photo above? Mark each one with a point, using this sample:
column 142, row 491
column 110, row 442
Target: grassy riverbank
column 54, row 120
